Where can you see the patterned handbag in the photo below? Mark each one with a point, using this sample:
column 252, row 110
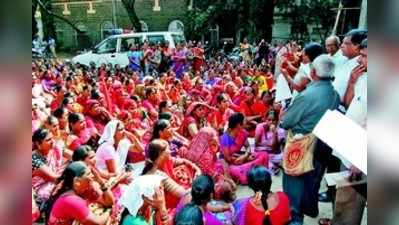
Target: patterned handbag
column 298, row 153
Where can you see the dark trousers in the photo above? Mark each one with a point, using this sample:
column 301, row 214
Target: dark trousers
column 333, row 166
column 303, row 190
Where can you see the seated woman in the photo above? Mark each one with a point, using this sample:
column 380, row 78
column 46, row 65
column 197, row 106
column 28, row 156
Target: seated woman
column 203, row 150
column 189, row 214
column 59, row 136
column 274, row 208
column 231, row 143
column 115, row 143
column 269, row 137
column 201, row 194
column 97, row 115
column 143, row 198
column 194, row 119
column 218, row 118
column 81, row 132
column 47, row 164
column 163, row 130
column 157, row 155
column 76, row 190
column 165, row 107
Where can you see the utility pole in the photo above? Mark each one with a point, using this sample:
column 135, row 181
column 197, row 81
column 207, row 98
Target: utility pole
column 340, row 7
column 114, row 14
column 363, row 15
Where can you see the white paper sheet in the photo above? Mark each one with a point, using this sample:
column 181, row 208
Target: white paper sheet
column 332, row 178
column 344, row 136
column 283, row 91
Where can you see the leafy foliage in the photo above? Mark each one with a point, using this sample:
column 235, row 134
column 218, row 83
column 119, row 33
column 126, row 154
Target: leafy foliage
column 309, row 12
column 253, row 17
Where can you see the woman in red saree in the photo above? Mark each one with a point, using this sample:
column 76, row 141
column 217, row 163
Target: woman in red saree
column 218, row 118
column 202, row 151
column 82, row 132
column 274, row 208
column 198, row 53
column 157, row 158
column 97, row 115
column 194, row 119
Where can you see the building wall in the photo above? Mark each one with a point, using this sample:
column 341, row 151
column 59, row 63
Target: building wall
column 92, row 22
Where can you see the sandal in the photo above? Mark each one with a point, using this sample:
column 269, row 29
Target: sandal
column 325, row 221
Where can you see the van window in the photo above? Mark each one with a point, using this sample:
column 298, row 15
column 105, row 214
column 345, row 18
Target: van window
column 178, row 38
column 156, row 39
column 108, row 46
column 126, row 43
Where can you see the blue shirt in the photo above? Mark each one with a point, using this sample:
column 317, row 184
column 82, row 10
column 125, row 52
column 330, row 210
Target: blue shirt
column 309, row 106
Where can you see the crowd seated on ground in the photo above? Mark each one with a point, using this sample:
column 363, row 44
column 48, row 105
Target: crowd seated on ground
column 151, row 144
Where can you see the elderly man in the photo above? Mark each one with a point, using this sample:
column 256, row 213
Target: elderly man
column 301, row 118
column 351, row 49
column 332, row 44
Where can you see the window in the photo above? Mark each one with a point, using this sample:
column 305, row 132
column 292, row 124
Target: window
column 144, row 26
column 177, row 38
column 156, row 39
column 108, row 46
column 106, row 29
column 127, row 43
column 176, row 26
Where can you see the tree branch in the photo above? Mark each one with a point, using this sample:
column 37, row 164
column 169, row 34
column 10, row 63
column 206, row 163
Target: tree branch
column 42, row 6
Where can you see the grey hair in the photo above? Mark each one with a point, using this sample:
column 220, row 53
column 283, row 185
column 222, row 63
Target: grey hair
column 336, row 39
column 324, row 66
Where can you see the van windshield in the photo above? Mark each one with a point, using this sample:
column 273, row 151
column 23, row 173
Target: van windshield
column 128, row 42
column 178, row 38
column 107, row 46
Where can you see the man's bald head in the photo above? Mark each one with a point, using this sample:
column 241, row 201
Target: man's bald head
column 332, row 44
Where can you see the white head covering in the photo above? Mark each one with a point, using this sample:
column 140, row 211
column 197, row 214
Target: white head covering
column 109, row 132
column 142, row 185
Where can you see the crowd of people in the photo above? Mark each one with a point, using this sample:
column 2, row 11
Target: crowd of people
column 168, row 139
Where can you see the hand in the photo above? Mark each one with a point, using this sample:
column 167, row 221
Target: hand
column 158, row 200
column 354, row 173
column 127, row 177
column 273, row 128
column 284, row 71
column 356, row 73
column 197, row 173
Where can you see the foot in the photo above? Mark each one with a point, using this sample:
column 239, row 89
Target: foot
column 324, row 197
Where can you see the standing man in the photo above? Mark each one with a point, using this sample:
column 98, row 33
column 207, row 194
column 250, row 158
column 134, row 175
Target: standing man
column 51, row 45
column 351, row 200
column 301, row 118
column 332, row 44
column 351, row 49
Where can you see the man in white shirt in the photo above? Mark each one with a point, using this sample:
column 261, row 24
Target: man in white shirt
column 351, row 49
column 350, row 201
column 332, row 44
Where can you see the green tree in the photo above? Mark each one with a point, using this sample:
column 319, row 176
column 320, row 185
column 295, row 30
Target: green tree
column 131, row 12
column 251, row 18
column 48, row 17
column 261, row 13
column 317, row 12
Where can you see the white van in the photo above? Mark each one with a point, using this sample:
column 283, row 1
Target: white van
column 114, row 49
